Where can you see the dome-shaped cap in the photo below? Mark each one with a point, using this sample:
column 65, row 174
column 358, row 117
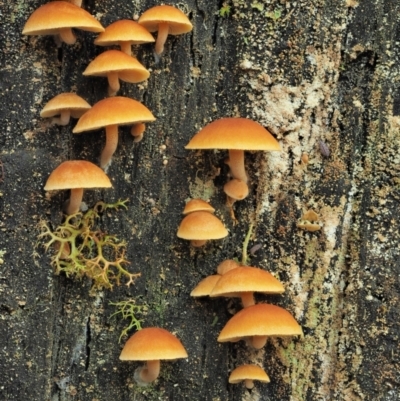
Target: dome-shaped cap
column 234, row 133
column 247, row 279
column 129, row 69
column 124, row 30
column 65, row 101
column 77, row 174
column 115, row 110
column 201, row 226
column 152, row 343
column 197, row 205
column 260, row 320
column 248, row 372
column 178, row 22
column 55, row 15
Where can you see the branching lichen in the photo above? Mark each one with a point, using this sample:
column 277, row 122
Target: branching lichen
column 128, row 310
column 81, row 249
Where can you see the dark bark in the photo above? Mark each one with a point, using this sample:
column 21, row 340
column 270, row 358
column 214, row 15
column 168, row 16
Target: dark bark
column 313, row 71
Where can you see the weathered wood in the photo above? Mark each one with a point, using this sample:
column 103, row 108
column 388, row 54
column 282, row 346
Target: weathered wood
column 309, row 71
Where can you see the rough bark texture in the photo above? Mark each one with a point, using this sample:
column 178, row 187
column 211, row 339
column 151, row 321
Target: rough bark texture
column 309, row 71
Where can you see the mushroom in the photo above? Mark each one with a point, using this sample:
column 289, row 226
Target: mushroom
column 117, row 65
column 166, row 20
column 124, row 33
column 237, row 135
column 66, row 105
column 58, row 18
column 235, row 190
column 308, row 221
column 151, row 345
column 110, row 113
column 76, row 175
column 197, row 205
column 243, row 281
column 257, row 322
column 198, row 227
column 248, row 373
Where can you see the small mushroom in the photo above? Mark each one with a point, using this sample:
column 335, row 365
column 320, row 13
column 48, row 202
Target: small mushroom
column 308, row 221
column 167, row 20
column 236, row 135
column 205, row 286
column 199, row 227
column 257, row 323
column 116, row 65
column 248, row 373
column 110, row 113
column 244, row 281
column 235, row 190
column 151, row 344
column 226, row 266
column 76, row 175
column 124, row 33
column 58, row 18
column 65, row 105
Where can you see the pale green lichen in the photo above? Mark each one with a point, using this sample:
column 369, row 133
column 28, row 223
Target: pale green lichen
column 80, row 249
column 129, row 311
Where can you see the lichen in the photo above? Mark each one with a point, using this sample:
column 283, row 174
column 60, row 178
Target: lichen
column 80, row 249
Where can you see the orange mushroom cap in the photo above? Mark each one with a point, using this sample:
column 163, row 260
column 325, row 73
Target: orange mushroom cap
column 248, row 373
column 197, row 205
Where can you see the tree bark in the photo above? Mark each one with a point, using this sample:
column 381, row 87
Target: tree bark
column 308, row 71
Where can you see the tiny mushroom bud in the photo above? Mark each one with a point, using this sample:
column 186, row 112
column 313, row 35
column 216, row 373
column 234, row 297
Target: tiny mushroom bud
column 248, row 373
column 124, row 33
column 307, row 221
column 58, row 18
column 76, row 175
column 197, row 205
column 226, row 266
column 66, row 105
column 235, row 190
column 167, row 20
column 151, row 344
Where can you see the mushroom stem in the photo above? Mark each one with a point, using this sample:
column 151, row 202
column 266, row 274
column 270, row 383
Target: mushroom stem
column 150, row 372
column 163, row 29
column 64, row 118
column 249, row 384
column 197, row 243
column 74, row 201
column 111, row 145
column 247, row 299
column 67, row 36
column 126, row 47
column 258, row 341
column 137, row 131
column 113, row 83
column 236, row 164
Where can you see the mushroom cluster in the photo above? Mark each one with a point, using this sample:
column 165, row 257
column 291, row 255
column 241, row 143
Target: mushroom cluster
column 255, row 322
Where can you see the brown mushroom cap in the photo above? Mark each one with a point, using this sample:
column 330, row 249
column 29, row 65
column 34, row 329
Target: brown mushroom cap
column 124, row 30
column 201, row 226
column 178, row 22
column 234, row 133
column 204, row 288
column 128, row 68
column 248, row 372
column 197, row 205
column 152, row 343
column 77, row 174
column 246, row 279
column 65, row 101
column 260, row 320
column 116, row 110
column 53, row 16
